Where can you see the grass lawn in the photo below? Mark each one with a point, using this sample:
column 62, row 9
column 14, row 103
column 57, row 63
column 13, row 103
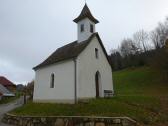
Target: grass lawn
column 7, row 100
column 139, row 81
column 140, row 94
column 10, row 99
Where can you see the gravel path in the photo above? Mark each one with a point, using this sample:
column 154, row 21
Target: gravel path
column 8, row 107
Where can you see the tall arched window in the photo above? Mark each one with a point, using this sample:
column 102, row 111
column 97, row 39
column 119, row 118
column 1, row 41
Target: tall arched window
column 82, row 28
column 96, row 53
column 52, row 81
column 91, row 28
column 97, row 84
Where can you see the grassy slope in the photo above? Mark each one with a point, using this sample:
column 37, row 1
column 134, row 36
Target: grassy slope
column 146, row 89
column 141, row 81
column 138, row 94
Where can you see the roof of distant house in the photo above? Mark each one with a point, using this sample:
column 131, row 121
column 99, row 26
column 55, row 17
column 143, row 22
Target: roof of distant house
column 69, row 51
column 5, row 82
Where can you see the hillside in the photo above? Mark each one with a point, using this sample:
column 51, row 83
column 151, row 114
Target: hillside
column 139, row 94
column 144, row 88
column 139, row 81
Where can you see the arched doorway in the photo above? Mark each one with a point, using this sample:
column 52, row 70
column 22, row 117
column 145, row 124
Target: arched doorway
column 97, row 83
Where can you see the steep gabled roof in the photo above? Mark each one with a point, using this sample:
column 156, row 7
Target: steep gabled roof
column 70, row 51
column 5, row 82
column 86, row 14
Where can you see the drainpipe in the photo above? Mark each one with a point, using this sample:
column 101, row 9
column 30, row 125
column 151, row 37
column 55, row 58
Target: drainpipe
column 75, row 84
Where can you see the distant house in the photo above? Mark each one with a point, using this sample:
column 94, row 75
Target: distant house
column 77, row 71
column 4, row 92
column 7, row 84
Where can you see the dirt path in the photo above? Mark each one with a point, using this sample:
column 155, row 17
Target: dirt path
column 8, row 107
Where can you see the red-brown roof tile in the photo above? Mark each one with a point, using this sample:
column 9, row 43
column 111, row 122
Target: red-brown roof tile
column 5, row 82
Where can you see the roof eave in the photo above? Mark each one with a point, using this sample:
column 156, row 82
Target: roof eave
column 39, row 67
column 76, row 20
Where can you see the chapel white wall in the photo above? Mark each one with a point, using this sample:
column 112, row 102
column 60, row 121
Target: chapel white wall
column 63, row 90
column 87, row 66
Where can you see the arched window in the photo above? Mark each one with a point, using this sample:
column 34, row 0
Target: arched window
column 96, row 53
column 52, row 81
column 82, row 28
column 97, row 84
column 91, row 28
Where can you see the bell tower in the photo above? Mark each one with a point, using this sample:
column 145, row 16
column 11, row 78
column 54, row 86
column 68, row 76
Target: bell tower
column 85, row 24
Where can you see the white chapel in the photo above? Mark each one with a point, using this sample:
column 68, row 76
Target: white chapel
column 77, row 71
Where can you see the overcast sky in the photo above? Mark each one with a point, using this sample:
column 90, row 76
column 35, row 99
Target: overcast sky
column 30, row 30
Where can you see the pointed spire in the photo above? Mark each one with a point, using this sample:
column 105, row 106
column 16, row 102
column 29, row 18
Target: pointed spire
column 86, row 14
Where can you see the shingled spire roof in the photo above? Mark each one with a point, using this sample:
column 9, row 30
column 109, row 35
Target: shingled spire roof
column 86, row 14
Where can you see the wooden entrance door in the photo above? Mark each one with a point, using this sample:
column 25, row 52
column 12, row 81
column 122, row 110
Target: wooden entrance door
column 97, row 84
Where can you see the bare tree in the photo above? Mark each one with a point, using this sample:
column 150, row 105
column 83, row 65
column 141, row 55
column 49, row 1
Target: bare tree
column 112, row 51
column 155, row 39
column 160, row 34
column 30, row 89
column 141, row 38
column 128, row 47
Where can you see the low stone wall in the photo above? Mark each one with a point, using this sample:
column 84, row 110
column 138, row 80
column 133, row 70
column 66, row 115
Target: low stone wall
column 67, row 121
